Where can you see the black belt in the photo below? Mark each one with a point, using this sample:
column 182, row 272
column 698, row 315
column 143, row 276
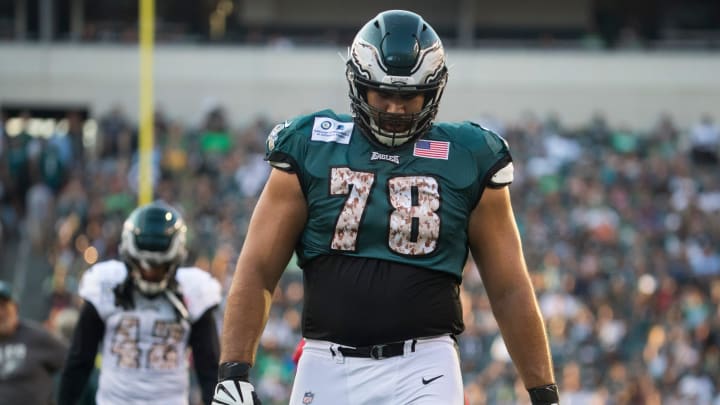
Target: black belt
column 376, row 352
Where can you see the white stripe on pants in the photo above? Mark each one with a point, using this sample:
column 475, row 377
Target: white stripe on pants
column 428, row 376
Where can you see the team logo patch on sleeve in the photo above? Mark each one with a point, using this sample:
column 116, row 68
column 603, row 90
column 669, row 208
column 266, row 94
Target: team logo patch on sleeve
column 329, row 130
column 272, row 138
column 432, row 149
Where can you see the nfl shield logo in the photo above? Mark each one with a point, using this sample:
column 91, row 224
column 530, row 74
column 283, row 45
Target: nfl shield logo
column 308, row 397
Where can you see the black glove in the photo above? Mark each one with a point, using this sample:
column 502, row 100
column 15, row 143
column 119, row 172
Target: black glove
column 544, row 395
column 233, row 387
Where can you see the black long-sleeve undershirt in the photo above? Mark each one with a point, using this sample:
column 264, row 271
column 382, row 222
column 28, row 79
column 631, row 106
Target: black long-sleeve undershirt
column 205, row 346
column 80, row 362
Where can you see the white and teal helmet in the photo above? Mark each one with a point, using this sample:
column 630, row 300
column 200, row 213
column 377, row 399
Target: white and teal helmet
column 396, row 51
column 153, row 236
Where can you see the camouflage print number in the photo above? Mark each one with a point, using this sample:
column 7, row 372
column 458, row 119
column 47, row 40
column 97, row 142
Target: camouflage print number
column 414, row 224
column 356, row 185
column 164, row 353
column 125, row 342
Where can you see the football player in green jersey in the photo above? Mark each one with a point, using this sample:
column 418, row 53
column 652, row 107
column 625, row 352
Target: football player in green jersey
column 382, row 209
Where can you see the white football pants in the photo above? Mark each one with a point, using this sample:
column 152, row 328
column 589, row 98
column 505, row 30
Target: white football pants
column 428, row 376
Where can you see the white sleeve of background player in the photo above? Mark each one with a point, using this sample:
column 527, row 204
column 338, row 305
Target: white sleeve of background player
column 504, row 176
column 200, row 290
column 98, row 282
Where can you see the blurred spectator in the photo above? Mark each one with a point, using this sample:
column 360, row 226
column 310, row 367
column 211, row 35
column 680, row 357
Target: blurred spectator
column 704, row 258
column 174, row 156
column 253, row 171
column 75, row 135
column 215, row 136
column 16, row 165
column 51, row 166
column 115, row 134
column 705, row 141
column 30, row 356
column 40, row 209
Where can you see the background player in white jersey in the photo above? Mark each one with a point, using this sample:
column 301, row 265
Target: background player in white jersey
column 145, row 312
column 382, row 209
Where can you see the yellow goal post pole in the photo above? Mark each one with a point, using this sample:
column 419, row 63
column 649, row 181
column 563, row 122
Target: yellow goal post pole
column 147, row 105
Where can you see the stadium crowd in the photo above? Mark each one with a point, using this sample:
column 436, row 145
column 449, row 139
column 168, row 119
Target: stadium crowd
column 621, row 232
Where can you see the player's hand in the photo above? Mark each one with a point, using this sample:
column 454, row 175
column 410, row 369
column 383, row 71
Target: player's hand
column 235, row 392
column 233, row 387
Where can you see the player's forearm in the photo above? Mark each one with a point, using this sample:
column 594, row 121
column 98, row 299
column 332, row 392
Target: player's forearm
column 72, row 383
column 523, row 331
column 80, row 362
column 206, row 353
column 246, row 312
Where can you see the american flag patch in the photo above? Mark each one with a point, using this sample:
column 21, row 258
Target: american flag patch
column 432, row 149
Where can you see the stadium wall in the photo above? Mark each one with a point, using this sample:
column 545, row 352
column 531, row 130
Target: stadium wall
column 631, row 88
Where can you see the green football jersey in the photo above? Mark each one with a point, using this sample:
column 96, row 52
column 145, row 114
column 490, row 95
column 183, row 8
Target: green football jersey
column 409, row 204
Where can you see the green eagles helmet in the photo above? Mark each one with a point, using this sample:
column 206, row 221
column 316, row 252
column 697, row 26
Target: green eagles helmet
column 153, row 237
column 397, row 51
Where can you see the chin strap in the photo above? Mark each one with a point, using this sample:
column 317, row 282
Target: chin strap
column 179, row 306
column 167, row 287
